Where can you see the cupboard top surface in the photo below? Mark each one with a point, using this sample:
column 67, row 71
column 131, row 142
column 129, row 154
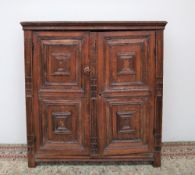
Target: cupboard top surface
column 93, row 25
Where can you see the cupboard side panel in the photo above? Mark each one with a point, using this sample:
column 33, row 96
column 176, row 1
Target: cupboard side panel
column 28, row 47
column 158, row 99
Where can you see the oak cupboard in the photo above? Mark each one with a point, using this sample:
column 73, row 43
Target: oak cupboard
column 94, row 91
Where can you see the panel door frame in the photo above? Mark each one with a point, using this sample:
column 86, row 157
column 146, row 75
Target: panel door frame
column 54, row 99
column 138, row 95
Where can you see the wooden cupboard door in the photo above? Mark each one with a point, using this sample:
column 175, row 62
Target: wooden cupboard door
column 61, row 94
column 126, row 79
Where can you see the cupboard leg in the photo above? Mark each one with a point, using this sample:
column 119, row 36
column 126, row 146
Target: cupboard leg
column 157, row 160
column 32, row 163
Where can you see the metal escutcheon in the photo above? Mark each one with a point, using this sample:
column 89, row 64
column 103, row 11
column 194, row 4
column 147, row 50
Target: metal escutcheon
column 86, row 70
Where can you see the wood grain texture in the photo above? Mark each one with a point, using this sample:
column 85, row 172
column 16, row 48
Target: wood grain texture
column 94, row 25
column 59, row 58
column 158, row 99
column 111, row 47
column 94, row 91
column 28, row 53
column 93, row 94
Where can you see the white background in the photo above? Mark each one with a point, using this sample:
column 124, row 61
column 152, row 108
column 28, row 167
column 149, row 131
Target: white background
column 179, row 55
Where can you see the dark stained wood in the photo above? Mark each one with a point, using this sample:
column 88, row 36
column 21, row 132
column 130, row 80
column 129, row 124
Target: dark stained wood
column 93, row 94
column 94, row 25
column 29, row 94
column 158, row 99
column 126, row 62
column 61, row 124
column 94, row 91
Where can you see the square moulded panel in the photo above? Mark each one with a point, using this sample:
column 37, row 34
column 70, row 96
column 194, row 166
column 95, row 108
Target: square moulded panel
column 126, row 119
column 61, row 127
column 59, row 59
column 130, row 62
column 61, row 119
column 62, row 60
column 126, row 123
column 126, row 63
column 61, row 64
column 62, row 122
column 126, row 58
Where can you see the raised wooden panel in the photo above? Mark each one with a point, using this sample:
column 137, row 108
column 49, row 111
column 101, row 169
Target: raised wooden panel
column 63, row 126
column 60, row 64
column 126, row 63
column 62, row 60
column 125, row 123
column 131, row 71
column 126, row 58
column 61, row 120
column 62, row 56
